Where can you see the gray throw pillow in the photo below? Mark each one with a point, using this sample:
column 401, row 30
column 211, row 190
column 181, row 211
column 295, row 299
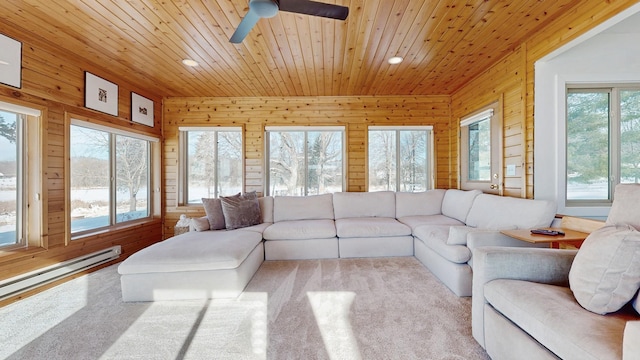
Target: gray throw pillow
column 213, row 209
column 241, row 211
column 605, row 274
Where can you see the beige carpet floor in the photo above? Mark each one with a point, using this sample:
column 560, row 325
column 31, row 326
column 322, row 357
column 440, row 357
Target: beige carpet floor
column 382, row 308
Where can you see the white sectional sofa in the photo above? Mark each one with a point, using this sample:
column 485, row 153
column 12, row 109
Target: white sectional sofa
column 439, row 227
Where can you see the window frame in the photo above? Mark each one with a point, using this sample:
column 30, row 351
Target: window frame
column 306, row 130
column 183, row 162
column 614, row 136
column 430, row 155
column 31, row 219
column 75, row 120
column 494, row 185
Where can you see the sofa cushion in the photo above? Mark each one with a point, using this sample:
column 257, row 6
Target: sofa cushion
column 550, row 314
column 435, row 237
column 456, row 203
column 300, row 230
column 266, row 208
column 313, row 207
column 241, row 210
column 605, row 274
column 503, row 212
column 635, row 302
column 371, row 227
column 624, row 209
column 458, row 234
column 194, row 251
column 419, row 220
column 213, row 209
column 419, row 203
column 364, row 204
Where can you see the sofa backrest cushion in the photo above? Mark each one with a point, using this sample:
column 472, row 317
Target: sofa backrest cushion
column 626, row 205
column 456, row 203
column 605, row 274
column 503, row 212
column 419, row 203
column 364, row 204
column 312, row 207
column 266, row 207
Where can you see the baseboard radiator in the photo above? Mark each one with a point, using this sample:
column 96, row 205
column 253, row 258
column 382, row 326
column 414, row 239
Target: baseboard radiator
column 21, row 283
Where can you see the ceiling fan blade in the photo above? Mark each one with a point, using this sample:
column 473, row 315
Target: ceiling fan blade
column 247, row 23
column 314, row 8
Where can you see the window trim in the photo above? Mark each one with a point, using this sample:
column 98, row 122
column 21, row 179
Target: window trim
column 615, row 144
column 83, row 121
column 430, row 146
column 306, row 130
column 33, row 219
column 182, row 188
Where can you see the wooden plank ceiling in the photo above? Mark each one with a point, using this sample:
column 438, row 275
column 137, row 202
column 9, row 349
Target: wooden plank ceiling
column 444, row 43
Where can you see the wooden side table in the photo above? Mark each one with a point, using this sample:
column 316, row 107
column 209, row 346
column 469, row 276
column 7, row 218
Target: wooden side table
column 570, row 239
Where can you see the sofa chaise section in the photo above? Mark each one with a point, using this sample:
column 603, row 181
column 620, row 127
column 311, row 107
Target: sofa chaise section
column 193, row 265
column 366, row 225
column 303, row 228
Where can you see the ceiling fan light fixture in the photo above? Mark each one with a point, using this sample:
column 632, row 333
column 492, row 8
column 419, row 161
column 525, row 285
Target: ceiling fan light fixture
column 395, row 60
column 190, row 62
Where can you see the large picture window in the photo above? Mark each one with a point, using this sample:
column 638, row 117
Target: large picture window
column 109, row 175
column 603, row 142
column 211, row 163
column 400, row 158
column 305, row 160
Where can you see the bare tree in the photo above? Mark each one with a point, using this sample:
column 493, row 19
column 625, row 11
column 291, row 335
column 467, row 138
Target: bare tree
column 286, row 166
column 131, row 167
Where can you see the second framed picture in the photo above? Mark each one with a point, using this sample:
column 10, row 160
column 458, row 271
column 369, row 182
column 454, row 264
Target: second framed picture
column 100, row 94
column 141, row 109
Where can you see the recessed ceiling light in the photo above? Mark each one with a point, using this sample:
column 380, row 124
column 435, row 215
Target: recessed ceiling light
column 395, row 60
column 190, row 62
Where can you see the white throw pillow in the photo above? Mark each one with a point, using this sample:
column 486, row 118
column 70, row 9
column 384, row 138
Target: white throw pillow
column 605, row 274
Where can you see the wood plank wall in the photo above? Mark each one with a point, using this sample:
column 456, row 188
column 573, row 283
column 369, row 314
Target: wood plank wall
column 356, row 113
column 54, row 81
column 512, row 79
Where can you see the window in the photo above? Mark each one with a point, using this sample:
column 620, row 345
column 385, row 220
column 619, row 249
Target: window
column 399, row 158
column 110, row 177
column 20, row 176
column 603, row 143
column 479, row 150
column 211, row 163
column 305, row 160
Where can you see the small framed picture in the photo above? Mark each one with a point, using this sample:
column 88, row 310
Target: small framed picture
column 100, row 94
column 10, row 62
column 141, row 109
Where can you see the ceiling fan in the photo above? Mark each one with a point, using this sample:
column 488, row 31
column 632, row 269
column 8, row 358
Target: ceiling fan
column 269, row 8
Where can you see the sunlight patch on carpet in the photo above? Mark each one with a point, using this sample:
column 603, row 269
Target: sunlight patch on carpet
column 332, row 312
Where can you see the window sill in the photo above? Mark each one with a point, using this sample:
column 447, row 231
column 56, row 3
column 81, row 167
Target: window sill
column 116, row 228
column 18, row 253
